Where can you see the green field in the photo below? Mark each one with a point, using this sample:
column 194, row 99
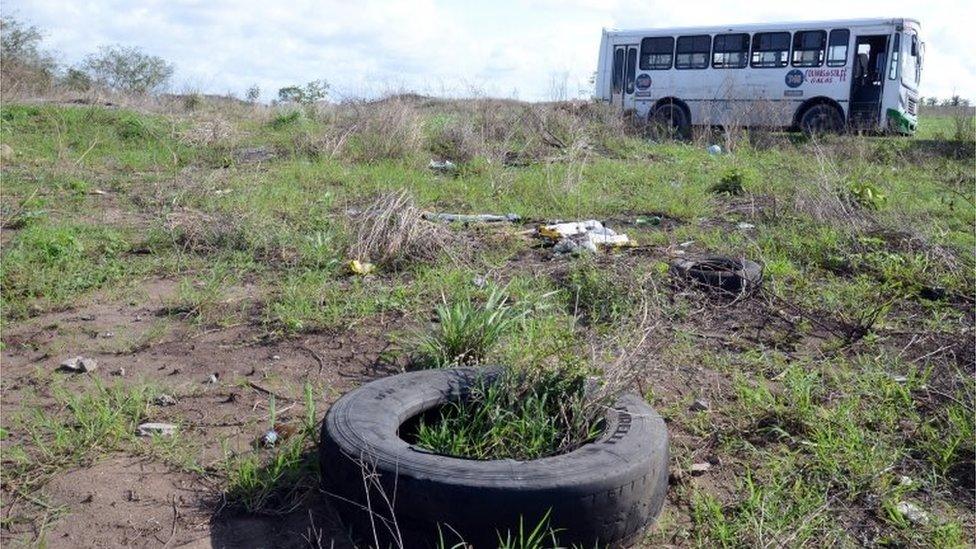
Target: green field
column 840, row 393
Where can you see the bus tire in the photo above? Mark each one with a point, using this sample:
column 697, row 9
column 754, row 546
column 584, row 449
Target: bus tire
column 820, row 119
column 670, row 120
column 391, row 493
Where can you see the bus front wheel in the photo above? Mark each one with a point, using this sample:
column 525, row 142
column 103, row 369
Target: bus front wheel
column 821, row 119
column 670, row 120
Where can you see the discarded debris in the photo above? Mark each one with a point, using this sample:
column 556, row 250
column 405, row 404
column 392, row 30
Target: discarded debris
column 731, row 275
column 912, row 513
column 652, row 220
column 745, row 226
column 212, row 379
column 160, row 429
column 698, row 469
column 479, row 281
column 165, row 400
column 79, row 364
column 444, row 167
column 579, row 236
column 360, row 267
column 472, row 218
column 714, row 149
column 269, row 438
column 700, row 405
column 120, row 372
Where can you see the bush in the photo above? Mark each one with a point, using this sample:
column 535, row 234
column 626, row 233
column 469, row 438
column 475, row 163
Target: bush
column 730, row 184
column 128, row 69
column 25, row 64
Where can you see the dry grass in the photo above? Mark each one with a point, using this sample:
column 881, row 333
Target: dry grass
column 392, row 233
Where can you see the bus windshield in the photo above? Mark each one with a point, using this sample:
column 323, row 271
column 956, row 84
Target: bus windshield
column 912, row 54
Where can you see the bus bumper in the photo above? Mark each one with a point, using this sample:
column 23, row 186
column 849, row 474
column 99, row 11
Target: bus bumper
column 900, row 122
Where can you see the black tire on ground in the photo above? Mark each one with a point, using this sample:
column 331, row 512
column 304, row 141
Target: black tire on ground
column 723, row 273
column 605, row 492
column 821, row 119
column 669, row 120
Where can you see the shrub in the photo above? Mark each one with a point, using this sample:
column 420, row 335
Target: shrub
column 393, row 233
column 466, row 332
column 389, row 129
column 730, row 184
column 128, row 69
column 25, row 64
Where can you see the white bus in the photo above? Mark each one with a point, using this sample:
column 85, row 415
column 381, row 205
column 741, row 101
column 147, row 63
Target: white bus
column 818, row 76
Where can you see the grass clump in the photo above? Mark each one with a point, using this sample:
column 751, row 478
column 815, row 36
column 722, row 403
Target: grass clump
column 596, row 295
column 393, row 233
column 467, row 331
column 522, row 415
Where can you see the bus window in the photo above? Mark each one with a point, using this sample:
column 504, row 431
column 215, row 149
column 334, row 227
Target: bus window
column 770, row 49
column 730, row 51
column 656, row 53
column 808, row 48
column 913, row 63
column 618, row 71
column 895, row 56
column 692, row 52
column 631, row 69
column 837, row 47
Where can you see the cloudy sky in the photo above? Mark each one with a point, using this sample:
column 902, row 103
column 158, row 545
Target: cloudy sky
column 508, row 48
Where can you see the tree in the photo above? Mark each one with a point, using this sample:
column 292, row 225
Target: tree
column 128, row 69
column 21, row 55
column 253, row 94
column 310, row 93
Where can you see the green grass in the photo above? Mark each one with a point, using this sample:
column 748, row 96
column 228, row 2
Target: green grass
column 813, row 428
column 523, row 415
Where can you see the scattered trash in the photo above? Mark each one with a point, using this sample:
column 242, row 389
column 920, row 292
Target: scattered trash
column 898, row 378
column 472, row 218
column 686, row 244
column 120, row 372
column 698, row 469
column 714, row 149
column 79, row 364
column 444, row 167
column 360, row 267
column 87, row 317
column 700, row 405
column 579, row 236
column 652, row 220
column 165, row 400
column 905, row 480
column 108, row 335
column 212, row 379
column 913, row 513
column 160, row 429
column 721, row 273
column 275, row 357
column 269, row 438
column 932, row 293
column 480, row 281
column 745, row 226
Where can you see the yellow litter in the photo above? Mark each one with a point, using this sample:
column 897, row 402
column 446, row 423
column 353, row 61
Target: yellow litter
column 361, row 267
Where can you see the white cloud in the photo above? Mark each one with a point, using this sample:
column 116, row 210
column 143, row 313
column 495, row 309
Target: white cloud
column 500, row 48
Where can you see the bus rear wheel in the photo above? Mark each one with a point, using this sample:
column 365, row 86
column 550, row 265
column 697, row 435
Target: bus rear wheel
column 821, row 119
column 669, row 121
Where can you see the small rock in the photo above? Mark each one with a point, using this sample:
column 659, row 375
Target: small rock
column 79, row 364
column 913, row 513
column 165, row 400
column 745, row 226
column 700, row 405
column 698, row 469
column 161, row 429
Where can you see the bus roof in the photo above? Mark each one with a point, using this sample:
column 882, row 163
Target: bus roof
column 752, row 27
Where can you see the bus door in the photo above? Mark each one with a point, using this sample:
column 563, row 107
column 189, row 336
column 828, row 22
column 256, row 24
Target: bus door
column 867, row 83
column 624, row 72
